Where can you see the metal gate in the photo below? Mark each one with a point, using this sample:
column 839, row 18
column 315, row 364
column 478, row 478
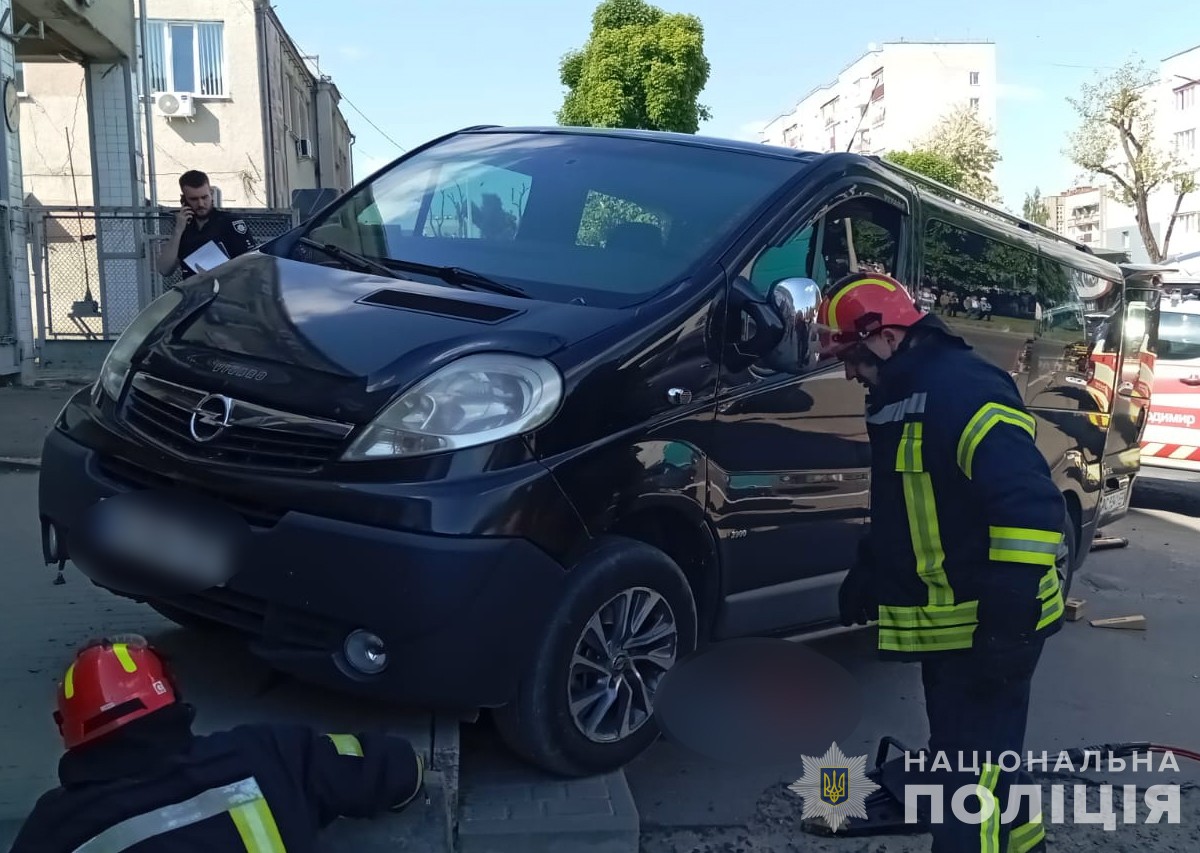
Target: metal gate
column 95, row 268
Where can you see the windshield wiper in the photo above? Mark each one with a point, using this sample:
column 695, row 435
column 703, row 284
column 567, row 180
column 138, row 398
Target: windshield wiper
column 465, row 278
column 345, row 255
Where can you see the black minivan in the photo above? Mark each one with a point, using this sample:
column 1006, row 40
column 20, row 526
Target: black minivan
column 529, row 415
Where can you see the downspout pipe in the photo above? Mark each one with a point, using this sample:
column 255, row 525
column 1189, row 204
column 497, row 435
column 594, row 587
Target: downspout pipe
column 148, row 107
column 264, row 85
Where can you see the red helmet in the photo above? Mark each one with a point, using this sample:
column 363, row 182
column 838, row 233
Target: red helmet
column 111, row 683
column 859, row 305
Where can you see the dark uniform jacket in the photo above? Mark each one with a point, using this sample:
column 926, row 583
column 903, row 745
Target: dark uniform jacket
column 256, row 788
column 231, row 234
column 966, row 521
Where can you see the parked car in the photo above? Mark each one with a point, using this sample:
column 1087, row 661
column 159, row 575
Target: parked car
column 529, row 415
column 1171, row 443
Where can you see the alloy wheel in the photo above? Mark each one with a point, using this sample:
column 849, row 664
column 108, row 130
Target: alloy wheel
column 625, row 649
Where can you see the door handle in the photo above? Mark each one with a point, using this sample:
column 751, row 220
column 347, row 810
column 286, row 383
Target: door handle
column 679, row 396
column 1191, row 380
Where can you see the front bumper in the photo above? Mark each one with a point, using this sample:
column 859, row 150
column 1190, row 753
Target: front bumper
column 460, row 615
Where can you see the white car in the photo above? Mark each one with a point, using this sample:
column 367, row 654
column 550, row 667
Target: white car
column 1171, row 441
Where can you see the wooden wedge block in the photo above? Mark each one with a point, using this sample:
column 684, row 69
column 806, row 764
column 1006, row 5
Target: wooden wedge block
column 1136, row 622
column 1074, row 609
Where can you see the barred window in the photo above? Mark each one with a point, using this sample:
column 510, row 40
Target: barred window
column 184, row 56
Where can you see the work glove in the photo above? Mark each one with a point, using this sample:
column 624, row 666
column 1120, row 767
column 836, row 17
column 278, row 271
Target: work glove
column 857, row 604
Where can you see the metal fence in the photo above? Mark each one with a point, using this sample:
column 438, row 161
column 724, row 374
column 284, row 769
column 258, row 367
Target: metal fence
column 94, row 268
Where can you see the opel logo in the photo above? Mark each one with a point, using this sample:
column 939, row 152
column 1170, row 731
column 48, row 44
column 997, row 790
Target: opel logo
column 210, row 417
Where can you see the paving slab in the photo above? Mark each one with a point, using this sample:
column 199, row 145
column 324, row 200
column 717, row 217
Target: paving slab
column 45, row 622
column 507, row 806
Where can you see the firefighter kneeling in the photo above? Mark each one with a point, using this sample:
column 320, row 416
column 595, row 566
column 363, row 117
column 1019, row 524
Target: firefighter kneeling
column 135, row 773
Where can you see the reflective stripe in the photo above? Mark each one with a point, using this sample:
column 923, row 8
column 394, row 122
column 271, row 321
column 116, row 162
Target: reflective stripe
column 1027, row 836
column 908, row 454
column 978, row 427
column 256, row 825
column 833, row 303
column 1051, row 596
column 122, row 652
column 346, row 745
column 1024, row 545
column 69, row 682
column 924, row 618
column 928, row 640
column 926, row 538
column 989, row 829
column 208, row 804
column 898, row 411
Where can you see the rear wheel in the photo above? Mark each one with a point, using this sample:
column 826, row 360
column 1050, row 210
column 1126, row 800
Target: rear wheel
column 586, row 703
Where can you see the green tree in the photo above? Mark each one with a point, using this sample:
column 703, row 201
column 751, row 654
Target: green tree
column 1035, row 209
column 1115, row 138
column 641, row 68
column 963, row 139
column 930, row 164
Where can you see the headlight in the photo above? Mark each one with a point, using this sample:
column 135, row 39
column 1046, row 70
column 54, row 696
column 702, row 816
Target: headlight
column 476, row 400
column 116, row 365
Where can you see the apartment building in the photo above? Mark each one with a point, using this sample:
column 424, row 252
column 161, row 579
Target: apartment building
column 890, row 98
column 1080, row 213
column 231, row 95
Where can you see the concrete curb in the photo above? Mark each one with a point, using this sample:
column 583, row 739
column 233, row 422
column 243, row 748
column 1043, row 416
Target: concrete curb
column 19, row 463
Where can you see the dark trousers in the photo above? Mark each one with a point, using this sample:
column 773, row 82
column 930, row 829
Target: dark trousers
column 978, row 704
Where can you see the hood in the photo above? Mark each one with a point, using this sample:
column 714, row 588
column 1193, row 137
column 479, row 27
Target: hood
column 326, row 341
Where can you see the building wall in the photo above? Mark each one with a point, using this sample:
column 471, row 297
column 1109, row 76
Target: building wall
column 227, row 136
column 920, row 83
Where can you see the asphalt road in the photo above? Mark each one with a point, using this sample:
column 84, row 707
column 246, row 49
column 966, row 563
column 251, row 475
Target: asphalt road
column 1095, row 685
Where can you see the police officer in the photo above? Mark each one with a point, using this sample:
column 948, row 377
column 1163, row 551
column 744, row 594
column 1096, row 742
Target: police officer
column 135, row 777
column 967, row 527
column 199, row 222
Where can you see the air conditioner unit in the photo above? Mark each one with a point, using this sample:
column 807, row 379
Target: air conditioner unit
column 174, row 105
column 304, row 149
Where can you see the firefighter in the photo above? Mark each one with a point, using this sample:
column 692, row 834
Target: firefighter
column 967, row 527
column 134, row 776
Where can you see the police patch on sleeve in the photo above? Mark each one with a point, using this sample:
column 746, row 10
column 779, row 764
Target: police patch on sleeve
column 239, row 225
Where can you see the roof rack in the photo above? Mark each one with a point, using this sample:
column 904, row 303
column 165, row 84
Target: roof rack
column 982, row 206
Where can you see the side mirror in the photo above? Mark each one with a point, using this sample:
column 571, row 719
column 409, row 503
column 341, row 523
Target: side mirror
column 795, row 300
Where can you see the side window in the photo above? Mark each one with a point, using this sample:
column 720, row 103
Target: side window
column 861, row 235
column 975, row 280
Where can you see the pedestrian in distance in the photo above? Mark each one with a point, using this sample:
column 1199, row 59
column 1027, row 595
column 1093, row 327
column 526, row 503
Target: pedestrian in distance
column 960, row 567
column 135, row 778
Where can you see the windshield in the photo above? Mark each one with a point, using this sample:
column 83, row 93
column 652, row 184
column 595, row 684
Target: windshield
column 562, row 216
column 1178, row 336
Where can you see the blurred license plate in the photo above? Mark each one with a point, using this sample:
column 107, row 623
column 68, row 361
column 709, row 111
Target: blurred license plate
column 177, row 545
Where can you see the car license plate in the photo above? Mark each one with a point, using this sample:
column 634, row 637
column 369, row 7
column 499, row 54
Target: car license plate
column 158, row 543
column 1116, row 502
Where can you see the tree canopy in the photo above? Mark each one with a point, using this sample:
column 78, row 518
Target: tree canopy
column 965, row 141
column 641, row 68
column 1115, row 138
column 930, row 164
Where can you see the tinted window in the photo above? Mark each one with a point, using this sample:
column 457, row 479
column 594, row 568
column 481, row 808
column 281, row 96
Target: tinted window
column 975, row 279
column 1178, row 336
column 563, row 216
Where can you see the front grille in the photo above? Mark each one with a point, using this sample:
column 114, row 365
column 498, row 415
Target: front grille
column 259, row 618
column 223, row 431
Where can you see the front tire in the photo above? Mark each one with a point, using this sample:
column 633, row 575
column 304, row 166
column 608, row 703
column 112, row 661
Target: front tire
column 1068, row 555
column 585, row 705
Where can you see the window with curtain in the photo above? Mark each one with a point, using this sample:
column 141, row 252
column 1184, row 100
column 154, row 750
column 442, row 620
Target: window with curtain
column 186, row 56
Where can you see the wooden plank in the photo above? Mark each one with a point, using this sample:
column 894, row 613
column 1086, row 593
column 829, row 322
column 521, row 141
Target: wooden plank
column 1074, row 609
column 1135, row 623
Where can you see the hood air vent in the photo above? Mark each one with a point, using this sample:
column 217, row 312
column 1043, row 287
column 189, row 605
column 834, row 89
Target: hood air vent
column 438, row 305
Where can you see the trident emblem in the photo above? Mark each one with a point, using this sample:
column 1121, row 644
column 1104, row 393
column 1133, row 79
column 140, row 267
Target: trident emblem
column 833, row 784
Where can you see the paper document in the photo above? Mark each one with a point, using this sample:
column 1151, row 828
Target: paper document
column 207, row 257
